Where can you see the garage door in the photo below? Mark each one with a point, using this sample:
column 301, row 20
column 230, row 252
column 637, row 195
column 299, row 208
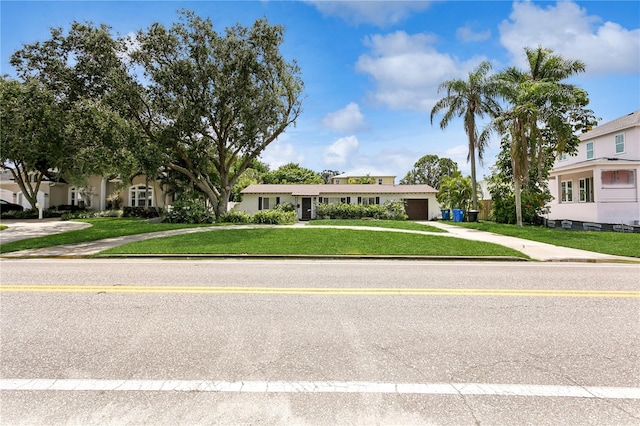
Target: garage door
column 417, row 209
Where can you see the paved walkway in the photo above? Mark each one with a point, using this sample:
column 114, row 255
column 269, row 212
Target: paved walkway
column 18, row 230
column 533, row 249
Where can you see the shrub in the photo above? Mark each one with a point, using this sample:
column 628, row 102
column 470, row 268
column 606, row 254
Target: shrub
column 236, row 217
column 285, row 207
column 190, row 211
column 395, row 210
column 142, row 212
column 274, row 217
column 21, row 214
column 92, row 214
column 390, row 210
column 534, row 206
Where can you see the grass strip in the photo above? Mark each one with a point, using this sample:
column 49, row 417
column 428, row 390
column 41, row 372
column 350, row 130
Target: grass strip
column 615, row 243
column 394, row 224
column 326, row 241
column 101, row 228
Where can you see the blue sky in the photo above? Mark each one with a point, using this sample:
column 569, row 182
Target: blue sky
column 371, row 68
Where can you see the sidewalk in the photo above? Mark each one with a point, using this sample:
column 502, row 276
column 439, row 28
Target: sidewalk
column 533, row 249
column 27, row 229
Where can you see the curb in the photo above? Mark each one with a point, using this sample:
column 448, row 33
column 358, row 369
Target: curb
column 310, row 257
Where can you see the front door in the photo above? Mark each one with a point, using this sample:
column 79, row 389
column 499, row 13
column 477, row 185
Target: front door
column 306, row 209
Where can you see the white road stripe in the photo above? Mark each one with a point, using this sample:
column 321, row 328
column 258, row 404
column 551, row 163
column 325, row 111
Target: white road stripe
column 320, row 387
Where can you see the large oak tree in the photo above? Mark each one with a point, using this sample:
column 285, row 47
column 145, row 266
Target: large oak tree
column 201, row 103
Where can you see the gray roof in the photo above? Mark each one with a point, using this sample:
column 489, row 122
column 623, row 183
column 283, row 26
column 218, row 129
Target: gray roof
column 328, row 189
column 624, row 122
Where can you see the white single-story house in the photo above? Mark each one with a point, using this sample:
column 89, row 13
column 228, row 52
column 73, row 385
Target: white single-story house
column 420, row 200
column 600, row 183
column 98, row 193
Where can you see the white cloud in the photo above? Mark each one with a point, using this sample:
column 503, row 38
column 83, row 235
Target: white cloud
column 407, row 69
column 348, row 120
column 569, row 31
column 379, row 13
column 458, row 153
column 279, row 153
column 337, row 154
column 467, row 34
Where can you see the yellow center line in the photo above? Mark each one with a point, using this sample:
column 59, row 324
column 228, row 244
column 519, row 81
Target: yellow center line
column 318, row 291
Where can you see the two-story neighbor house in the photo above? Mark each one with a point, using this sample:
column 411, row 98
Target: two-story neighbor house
column 600, row 183
column 98, row 193
column 378, row 179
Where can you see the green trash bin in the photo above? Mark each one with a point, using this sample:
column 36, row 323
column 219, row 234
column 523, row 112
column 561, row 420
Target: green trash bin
column 446, row 214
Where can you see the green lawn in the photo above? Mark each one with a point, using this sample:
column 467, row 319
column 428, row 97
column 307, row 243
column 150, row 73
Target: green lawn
column 101, row 228
column 320, row 241
column 395, row 224
column 616, row 243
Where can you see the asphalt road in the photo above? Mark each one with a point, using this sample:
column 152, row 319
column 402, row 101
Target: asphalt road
column 318, row 342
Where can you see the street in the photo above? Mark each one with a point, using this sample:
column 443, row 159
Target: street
column 318, row 342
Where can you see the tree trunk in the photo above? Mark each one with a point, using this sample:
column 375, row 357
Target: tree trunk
column 517, row 184
column 474, row 185
column 28, row 191
column 222, row 202
column 540, row 167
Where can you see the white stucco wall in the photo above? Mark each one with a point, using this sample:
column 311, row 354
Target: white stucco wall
column 249, row 203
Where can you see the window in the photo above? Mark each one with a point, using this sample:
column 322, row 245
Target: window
column 266, row 203
column 336, row 181
column 379, row 181
column 79, row 197
column 368, row 200
column 586, row 190
column 620, row 143
column 138, row 194
column 335, row 200
column 589, row 150
column 567, row 190
column 618, row 178
column 73, row 196
column 562, row 157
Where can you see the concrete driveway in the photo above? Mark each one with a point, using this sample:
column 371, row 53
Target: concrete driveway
column 20, row 229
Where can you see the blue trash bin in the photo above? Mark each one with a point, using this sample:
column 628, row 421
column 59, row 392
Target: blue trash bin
column 445, row 214
column 458, row 215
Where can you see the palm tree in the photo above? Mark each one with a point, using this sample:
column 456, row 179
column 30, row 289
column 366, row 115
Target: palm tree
column 469, row 99
column 545, row 73
column 542, row 114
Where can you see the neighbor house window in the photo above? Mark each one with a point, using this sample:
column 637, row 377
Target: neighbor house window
column 618, row 178
column 336, row 181
column 586, row 190
column 141, row 196
column 562, row 157
column 589, row 150
column 379, row 181
column 78, row 197
column 620, row 143
column 567, row 190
